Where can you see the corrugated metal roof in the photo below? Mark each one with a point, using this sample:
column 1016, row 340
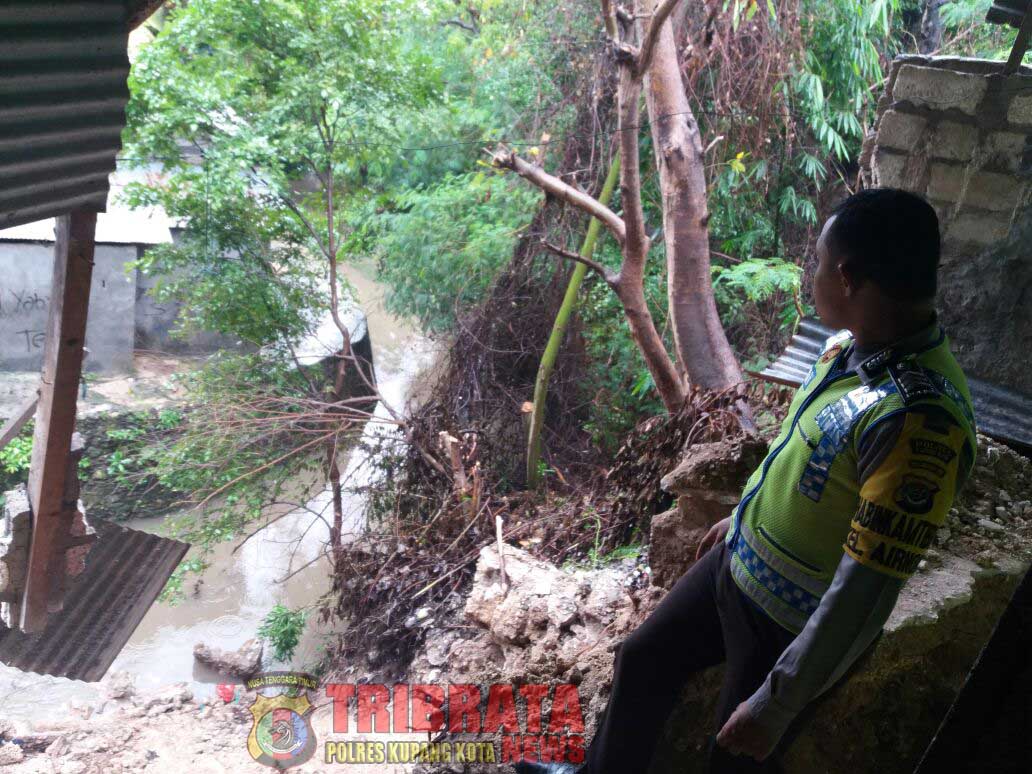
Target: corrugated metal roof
column 1000, row 413
column 63, row 70
column 125, row 571
column 1008, row 12
column 119, row 225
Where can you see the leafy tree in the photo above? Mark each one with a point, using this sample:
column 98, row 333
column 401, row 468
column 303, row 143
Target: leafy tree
column 262, row 120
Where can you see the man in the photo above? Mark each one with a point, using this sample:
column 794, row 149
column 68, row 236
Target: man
column 792, row 587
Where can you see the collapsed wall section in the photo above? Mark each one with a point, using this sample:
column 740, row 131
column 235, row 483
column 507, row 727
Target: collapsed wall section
column 959, row 132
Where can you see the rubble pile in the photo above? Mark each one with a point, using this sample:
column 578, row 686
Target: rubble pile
column 993, row 513
column 540, row 623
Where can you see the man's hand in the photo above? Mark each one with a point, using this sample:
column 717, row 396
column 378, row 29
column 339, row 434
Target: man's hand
column 742, row 735
column 716, row 533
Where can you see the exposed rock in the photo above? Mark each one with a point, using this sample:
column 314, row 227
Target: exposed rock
column 719, row 467
column 553, row 625
column 242, row 663
column 10, row 753
column 708, row 482
column 170, row 698
column 119, row 685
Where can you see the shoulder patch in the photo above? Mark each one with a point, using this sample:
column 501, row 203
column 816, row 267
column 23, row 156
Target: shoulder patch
column 912, row 382
column 906, row 499
column 831, row 353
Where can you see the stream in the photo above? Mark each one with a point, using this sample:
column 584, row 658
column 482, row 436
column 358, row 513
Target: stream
column 240, row 587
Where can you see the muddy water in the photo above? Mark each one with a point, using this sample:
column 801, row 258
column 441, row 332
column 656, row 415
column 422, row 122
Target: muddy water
column 244, row 581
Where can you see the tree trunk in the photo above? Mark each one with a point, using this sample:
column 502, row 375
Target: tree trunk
column 630, row 286
column 704, row 356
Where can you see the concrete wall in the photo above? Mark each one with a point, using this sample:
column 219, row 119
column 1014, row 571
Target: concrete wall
column 156, row 322
column 25, row 276
column 960, row 133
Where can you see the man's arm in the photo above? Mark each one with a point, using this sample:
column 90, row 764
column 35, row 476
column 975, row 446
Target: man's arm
column 850, row 616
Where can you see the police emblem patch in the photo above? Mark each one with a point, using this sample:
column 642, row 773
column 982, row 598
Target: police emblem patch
column 916, row 494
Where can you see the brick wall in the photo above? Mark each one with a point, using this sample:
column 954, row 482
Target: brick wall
column 960, row 133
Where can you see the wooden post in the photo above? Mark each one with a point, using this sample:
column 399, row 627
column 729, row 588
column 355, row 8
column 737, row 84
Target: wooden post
column 52, row 516
column 1020, row 44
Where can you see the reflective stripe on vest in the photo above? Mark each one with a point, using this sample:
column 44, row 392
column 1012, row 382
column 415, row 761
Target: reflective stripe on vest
column 785, row 592
column 836, row 420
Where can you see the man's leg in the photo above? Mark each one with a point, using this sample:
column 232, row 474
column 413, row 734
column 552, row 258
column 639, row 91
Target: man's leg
column 754, row 642
column 681, row 636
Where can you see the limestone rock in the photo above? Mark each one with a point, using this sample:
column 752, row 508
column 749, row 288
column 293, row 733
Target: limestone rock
column 673, row 540
column 10, row 754
column 170, row 698
column 708, row 482
column 120, row 685
column 242, row 663
column 718, row 467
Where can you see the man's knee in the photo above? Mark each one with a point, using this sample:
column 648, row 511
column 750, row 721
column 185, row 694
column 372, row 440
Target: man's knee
column 638, row 652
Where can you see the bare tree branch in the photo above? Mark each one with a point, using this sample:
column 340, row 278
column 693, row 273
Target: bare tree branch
column 651, row 35
column 609, row 16
column 611, row 277
column 461, row 25
column 553, row 185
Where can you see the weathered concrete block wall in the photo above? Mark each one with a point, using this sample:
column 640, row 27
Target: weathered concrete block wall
column 960, row 133
column 25, row 275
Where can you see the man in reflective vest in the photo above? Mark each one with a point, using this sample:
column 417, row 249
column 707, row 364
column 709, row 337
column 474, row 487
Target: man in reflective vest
column 792, row 587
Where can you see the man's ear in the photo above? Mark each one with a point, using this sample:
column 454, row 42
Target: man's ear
column 847, row 278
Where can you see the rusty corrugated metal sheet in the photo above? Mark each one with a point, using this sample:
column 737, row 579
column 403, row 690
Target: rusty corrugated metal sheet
column 125, row 571
column 1008, row 12
column 63, row 92
column 1000, row 413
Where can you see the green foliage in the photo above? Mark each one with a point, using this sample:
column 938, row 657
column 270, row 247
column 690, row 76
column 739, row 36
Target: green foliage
column 440, row 230
column 621, row 387
column 282, row 628
column 265, row 117
column 173, row 592
column 755, row 281
column 15, row 457
column 441, row 246
column 832, row 88
column 965, row 32
column 169, row 419
column 14, row 461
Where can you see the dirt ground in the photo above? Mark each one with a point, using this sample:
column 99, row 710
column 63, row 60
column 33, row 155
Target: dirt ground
column 151, row 385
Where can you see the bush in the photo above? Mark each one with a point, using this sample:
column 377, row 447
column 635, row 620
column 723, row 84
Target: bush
column 282, row 628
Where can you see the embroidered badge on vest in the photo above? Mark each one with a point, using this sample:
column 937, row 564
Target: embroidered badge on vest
column 912, row 381
column 831, row 354
column 916, row 494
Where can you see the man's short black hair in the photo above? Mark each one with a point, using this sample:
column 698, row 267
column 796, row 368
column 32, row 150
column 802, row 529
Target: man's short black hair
column 890, row 237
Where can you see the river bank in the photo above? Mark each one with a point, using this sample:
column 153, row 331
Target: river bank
column 223, row 606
